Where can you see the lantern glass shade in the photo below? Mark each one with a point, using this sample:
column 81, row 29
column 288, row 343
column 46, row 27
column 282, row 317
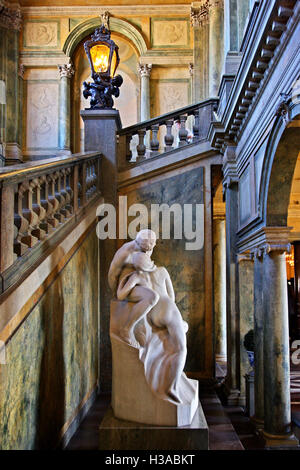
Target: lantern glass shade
column 114, row 64
column 100, row 58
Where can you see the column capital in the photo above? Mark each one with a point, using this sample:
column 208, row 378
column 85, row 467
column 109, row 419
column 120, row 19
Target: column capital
column 66, row 70
column 144, row 70
column 199, row 13
column 271, row 239
column 10, row 16
column 191, row 69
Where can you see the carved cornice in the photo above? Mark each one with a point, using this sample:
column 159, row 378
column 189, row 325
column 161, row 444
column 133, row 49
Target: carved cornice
column 10, row 16
column 66, row 70
column 144, row 70
column 258, row 69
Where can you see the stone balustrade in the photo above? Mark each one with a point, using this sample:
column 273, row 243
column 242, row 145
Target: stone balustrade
column 168, row 132
column 39, row 201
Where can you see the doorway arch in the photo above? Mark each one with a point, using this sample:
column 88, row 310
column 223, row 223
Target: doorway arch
column 116, row 25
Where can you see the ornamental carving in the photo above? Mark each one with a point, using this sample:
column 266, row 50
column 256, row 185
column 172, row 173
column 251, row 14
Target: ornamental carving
column 144, row 70
column 200, row 15
column 10, row 17
column 66, row 70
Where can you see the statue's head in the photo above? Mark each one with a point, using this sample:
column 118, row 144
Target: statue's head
column 146, row 240
column 142, row 262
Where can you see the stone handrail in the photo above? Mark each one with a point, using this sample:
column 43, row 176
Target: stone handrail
column 202, row 117
column 39, row 200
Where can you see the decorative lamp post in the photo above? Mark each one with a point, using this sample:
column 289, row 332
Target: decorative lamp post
column 103, row 57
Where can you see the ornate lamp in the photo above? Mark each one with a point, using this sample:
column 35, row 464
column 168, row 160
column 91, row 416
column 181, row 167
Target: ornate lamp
column 103, row 57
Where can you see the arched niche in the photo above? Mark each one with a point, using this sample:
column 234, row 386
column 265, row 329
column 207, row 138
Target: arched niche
column 278, row 168
column 116, row 25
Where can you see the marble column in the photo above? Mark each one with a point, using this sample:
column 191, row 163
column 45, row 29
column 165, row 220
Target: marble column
column 277, row 405
column 21, row 72
column 216, row 45
column 10, row 23
column 200, row 25
column 258, row 417
column 144, row 72
column 232, row 294
column 246, row 317
column 66, row 71
column 219, row 243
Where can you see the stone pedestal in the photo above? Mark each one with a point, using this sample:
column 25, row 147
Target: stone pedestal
column 132, row 397
column 116, row 434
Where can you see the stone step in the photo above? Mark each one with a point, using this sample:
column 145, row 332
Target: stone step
column 222, row 435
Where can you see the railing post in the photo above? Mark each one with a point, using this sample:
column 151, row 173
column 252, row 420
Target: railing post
column 6, row 227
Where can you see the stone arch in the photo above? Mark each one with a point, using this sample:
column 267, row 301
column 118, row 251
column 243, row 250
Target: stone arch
column 278, row 168
column 116, row 25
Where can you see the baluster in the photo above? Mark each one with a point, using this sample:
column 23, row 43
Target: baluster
column 82, row 184
column 61, row 201
column 38, row 231
column 196, row 126
column 93, row 177
column 154, row 144
column 128, row 149
column 32, row 218
column 183, row 132
column 69, row 199
column 45, row 203
column 75, row 188
column 20, row 222
column 52, row 220
column 169, row 138
column 66, row 197
column 141, row 148
column 8, row 231
column 88, row 180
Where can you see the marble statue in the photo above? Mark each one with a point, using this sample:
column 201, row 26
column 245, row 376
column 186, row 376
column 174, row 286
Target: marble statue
column 148, row 336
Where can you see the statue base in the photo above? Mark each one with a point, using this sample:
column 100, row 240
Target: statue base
column 132, row 398
column 116, row 434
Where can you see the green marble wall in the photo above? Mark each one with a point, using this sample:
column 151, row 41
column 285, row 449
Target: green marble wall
column 186, row 268
column 52, row 359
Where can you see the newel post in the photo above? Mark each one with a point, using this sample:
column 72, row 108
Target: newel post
column 100, row 135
